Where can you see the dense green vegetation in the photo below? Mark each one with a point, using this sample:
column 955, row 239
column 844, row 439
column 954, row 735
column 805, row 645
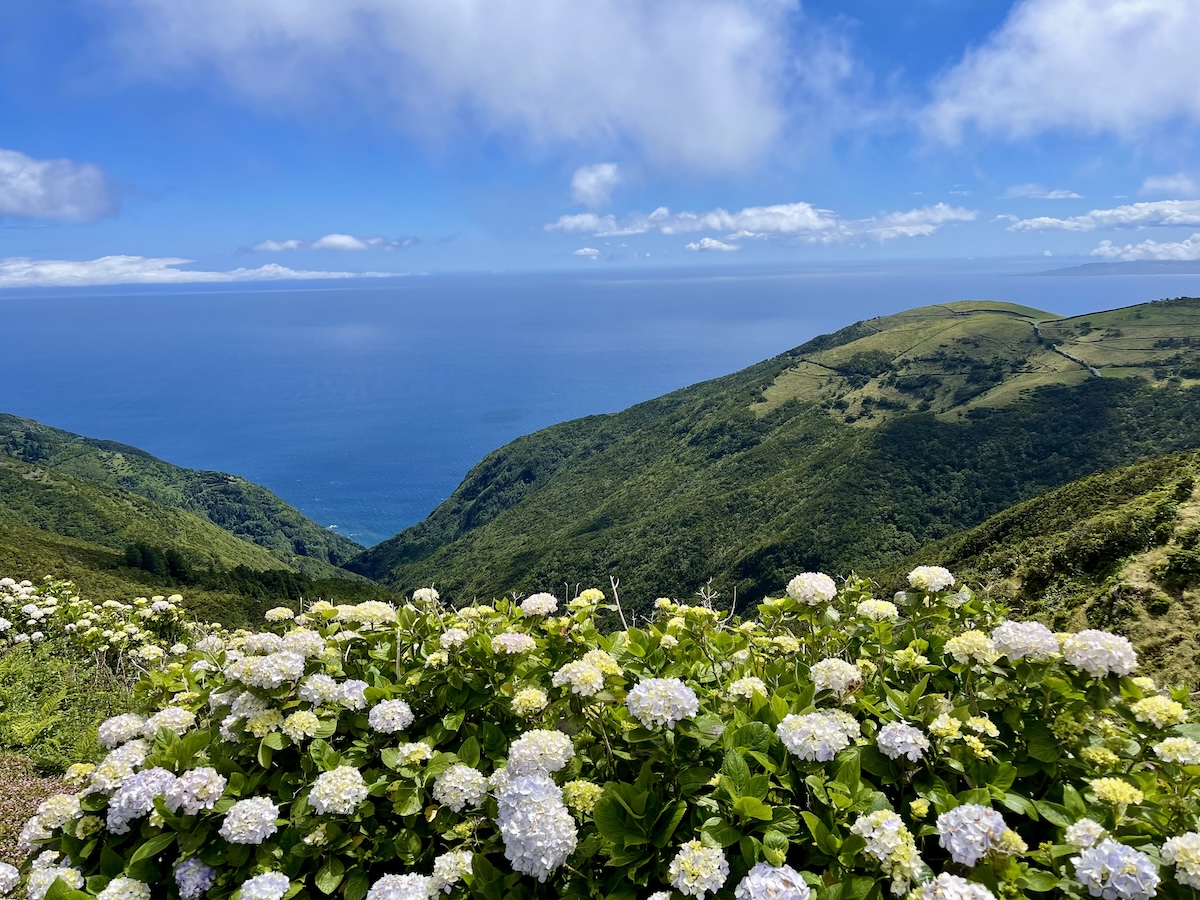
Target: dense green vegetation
column 235, row 505
column 849, row 452
column 1119, row 550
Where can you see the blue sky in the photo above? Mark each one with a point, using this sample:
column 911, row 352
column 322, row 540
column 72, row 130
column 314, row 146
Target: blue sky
column 163, row 141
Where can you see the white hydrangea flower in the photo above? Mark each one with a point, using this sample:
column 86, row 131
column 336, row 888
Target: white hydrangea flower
column 746, row 688
column 317, row 689
column 539, row 833
column 1161, row 712
column 426, row 595
column 352, row 693
column 304, row 642
column 969, row 832
column 194, row 878
column 951, row 887
column 1084, row 834
column 1184, row 751
column 1025, row 640
column 972, row 646
column 661, row 702
column 930, row 579
column 39, row 882
column 812, row 588
column 836, row 675
column 878, row 610
column 172, row 718
column 58, row 810
column 767, row 882
column 415, row 751
column 1100, row 653
column 338, row 791
column 891, row 844
column 390, row 716
column 279, row 614
column 581, row 676
column 513, row 643
column 448, row 870
column 400, row 887
column 900, row 739
column 529, row 702
column 135, row 796
column 119, row 729
column 540, row 751
column 300, row 725
column 31, row 833
column 697, row 870
column 268, row 886
column 1116, row 872
column 818, row 736
column 10, row 877
column 539, row 605
column 459, row 786
column 453, row 637
column 1183, row 852
column 196, row 790
column 250, row 821
column 121, row 888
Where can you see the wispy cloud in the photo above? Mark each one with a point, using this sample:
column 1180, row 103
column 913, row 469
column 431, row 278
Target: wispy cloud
column 1034, row 191
column 706, row 244
column 1080, row 65
column 593, row 185
column 335, row 242
column 1181, row 184
column 802, row 221
column 589, row 252
column 1154, row 213
column 16, row 271
column 54, row 189
column 707, row 84
column 1188, row 249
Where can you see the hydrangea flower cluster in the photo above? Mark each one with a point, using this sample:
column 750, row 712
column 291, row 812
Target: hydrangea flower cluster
column 267, row 741
column 662, row 702
column 818, row 736
column 697, row 870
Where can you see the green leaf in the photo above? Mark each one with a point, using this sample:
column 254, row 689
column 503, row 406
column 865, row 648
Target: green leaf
column 453, row 721
column 753, row 736
column 356, row 885
column 775, row 847
column 826, row 842
column 153, row 847
column 264, row 754
column 468, row 753
column 1037, row 880
column 668, row 821
column 1073, row 802
column 1054, row 813
column 274, row 740
column 719, row 832
column 1040, row 742
column 485, row 880
column 1019, row 804
column 112, row 863
column 752, row 808
column 329, row 876
column 734, row 773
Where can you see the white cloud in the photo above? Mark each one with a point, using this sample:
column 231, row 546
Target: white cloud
column 708, row 243
column 1155, row 213
column 593, row 185
column 709, row 84
column 1034, row 191
column 799, row 220
column 1188, row 249
column 1090, row 66
column 590, row 252
column 54, row 189
column 16, row 271
column 1181, row 184
column 335, row 242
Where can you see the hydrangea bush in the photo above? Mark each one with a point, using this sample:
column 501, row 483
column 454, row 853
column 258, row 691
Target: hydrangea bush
column 836, row 747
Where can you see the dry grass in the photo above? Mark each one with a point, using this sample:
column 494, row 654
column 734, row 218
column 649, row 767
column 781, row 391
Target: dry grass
column 21, row 790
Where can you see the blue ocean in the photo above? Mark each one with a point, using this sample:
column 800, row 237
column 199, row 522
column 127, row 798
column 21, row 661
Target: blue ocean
column 365, row 403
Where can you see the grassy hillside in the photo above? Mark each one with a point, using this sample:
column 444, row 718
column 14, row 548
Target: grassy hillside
column 849, row 452
column 240, row 507
column 1119, row 550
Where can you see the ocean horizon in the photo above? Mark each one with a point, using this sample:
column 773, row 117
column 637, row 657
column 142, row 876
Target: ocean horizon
column 365, row 403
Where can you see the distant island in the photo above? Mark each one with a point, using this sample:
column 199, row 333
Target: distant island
column 1132, row 267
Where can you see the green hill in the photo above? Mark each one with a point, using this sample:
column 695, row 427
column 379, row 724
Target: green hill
column 849, row 452
column 237, row 506
column 1119, row 550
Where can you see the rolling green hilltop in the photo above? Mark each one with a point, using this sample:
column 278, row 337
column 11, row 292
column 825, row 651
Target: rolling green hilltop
column 1117, row 551
column 233, row 504
column 851, row 451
